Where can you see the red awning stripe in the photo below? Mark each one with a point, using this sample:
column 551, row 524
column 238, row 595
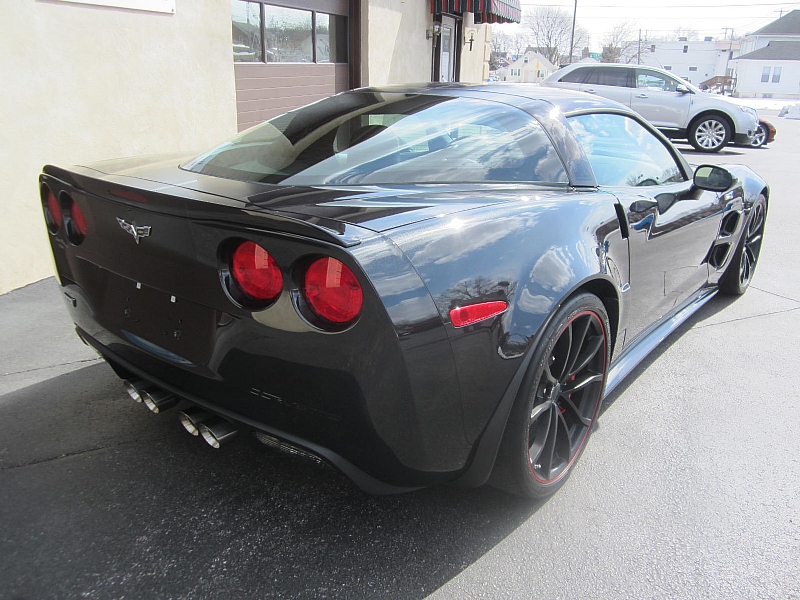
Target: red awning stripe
column 492, row 11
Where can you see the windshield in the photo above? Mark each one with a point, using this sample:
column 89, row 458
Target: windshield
column 389, row 138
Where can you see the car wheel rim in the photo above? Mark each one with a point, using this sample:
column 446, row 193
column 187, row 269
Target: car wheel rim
column 568, row 395
column 710, row 134
column 759, row 137
column 752, row 245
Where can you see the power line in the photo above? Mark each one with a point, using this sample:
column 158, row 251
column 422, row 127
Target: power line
column 669, row 7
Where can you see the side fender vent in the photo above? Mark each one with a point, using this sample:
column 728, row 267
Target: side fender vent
column 729, row 224
column 719, row 254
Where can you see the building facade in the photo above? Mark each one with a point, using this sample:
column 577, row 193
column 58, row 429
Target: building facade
column 531, row 67
column 87, row 80
column 769, row 66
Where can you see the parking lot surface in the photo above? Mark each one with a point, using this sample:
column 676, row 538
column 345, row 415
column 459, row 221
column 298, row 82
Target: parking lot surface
column 689, row 488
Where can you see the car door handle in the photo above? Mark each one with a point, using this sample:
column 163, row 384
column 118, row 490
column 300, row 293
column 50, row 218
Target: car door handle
column 591, row 91
column 642, row 96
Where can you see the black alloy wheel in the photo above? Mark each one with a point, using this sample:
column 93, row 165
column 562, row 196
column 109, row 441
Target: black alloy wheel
column 740, row 271
column 558, row 403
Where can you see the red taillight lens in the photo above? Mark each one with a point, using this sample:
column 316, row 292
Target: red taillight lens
column 256, row 272
column 79, row 220
column 333, row 291
column 467, row 315
column 54, row 210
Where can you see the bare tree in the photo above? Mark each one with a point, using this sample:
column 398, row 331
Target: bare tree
column 621, row 43
column 687, row 32
column 550, row 31
column 510, row 39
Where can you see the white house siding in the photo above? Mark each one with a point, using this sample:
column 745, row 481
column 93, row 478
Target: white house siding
column 749, row 84
column 83, row 83
column 700, row 62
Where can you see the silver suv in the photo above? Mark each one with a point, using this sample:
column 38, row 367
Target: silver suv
column 676, row 107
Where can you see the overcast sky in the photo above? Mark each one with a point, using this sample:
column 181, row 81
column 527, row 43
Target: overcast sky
column 660, row 18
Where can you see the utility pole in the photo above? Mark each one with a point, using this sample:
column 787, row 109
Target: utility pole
column 639, row 53
column 572, row 37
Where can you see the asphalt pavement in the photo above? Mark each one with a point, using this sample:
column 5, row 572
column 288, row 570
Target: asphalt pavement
column 689, row 488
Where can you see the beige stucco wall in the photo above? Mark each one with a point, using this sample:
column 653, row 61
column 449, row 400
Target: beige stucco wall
column 395, row 49
column 83, row 83
column 475, row 62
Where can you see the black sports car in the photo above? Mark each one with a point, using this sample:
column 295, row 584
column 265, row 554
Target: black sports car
column 417, row 284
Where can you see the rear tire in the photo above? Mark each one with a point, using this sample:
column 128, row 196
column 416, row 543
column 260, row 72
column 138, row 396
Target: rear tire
column 710, row 133
column 740, row 271
column 558, row 402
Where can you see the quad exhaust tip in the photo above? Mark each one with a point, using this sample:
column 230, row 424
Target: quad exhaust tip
column 217, row 431
column 135, row 388
column 158, row 400
column 192, row 418
column 155, row 399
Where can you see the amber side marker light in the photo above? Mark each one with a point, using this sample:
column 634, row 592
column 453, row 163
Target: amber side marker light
column 467, row 315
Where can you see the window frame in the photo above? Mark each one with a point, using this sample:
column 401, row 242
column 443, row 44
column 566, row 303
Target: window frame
column 336, row 9
column 679, row 160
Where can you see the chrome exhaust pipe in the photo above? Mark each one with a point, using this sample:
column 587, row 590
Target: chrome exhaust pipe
column 192, row 418
column 135, row 388
column 158, row 400
column 217, row 431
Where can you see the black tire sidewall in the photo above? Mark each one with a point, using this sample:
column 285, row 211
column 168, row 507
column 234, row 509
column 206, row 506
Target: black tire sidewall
column 696, row 125
column 519, row 478
column 729, row 283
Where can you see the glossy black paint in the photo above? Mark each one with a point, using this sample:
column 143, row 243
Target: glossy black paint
column 401, row 398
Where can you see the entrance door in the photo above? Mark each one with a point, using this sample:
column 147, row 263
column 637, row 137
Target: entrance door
column 447, row 50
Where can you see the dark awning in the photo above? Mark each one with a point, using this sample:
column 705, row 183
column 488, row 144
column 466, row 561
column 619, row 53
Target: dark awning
column 486, row 11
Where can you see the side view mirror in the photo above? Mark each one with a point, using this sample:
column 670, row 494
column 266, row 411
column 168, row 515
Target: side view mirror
column 712, row 178
column 682, row 89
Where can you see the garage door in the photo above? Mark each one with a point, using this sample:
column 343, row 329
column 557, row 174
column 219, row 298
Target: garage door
column 288, row 55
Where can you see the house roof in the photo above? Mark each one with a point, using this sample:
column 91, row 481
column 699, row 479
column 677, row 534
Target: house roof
column 788, row 24
column 774, row 51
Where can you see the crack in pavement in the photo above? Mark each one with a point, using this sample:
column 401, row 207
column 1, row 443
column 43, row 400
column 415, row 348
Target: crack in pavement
column 74, row 362
column 80, row 452
column 774, row 294
column 776, row 312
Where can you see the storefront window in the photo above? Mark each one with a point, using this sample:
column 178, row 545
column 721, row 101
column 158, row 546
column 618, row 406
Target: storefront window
column 331, row 36
column 246, row 17
column 288, row 34
column 266, row 33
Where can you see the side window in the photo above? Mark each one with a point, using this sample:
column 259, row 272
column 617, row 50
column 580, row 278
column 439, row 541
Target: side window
column 650, row 80
column 623, row 153
column 608, row 76
column 575, row 76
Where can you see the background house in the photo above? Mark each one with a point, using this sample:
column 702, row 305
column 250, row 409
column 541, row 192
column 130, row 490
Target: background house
column 95, row 79
column 769, row 65
column 695, row 61
column 531, row 67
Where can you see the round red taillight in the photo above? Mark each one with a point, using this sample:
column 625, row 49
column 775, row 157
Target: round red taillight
column 79, row 220
column 54, row 212
column 333, row 291
column 256, row 272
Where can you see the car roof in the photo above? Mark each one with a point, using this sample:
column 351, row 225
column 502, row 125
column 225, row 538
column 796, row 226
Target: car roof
column 515, row 94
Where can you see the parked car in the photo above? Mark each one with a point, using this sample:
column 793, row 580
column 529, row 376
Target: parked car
column 676, row 107
column 765, row 133
column 415, row 284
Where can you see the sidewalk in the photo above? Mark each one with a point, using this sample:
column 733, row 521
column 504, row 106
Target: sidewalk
column 37, row 337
